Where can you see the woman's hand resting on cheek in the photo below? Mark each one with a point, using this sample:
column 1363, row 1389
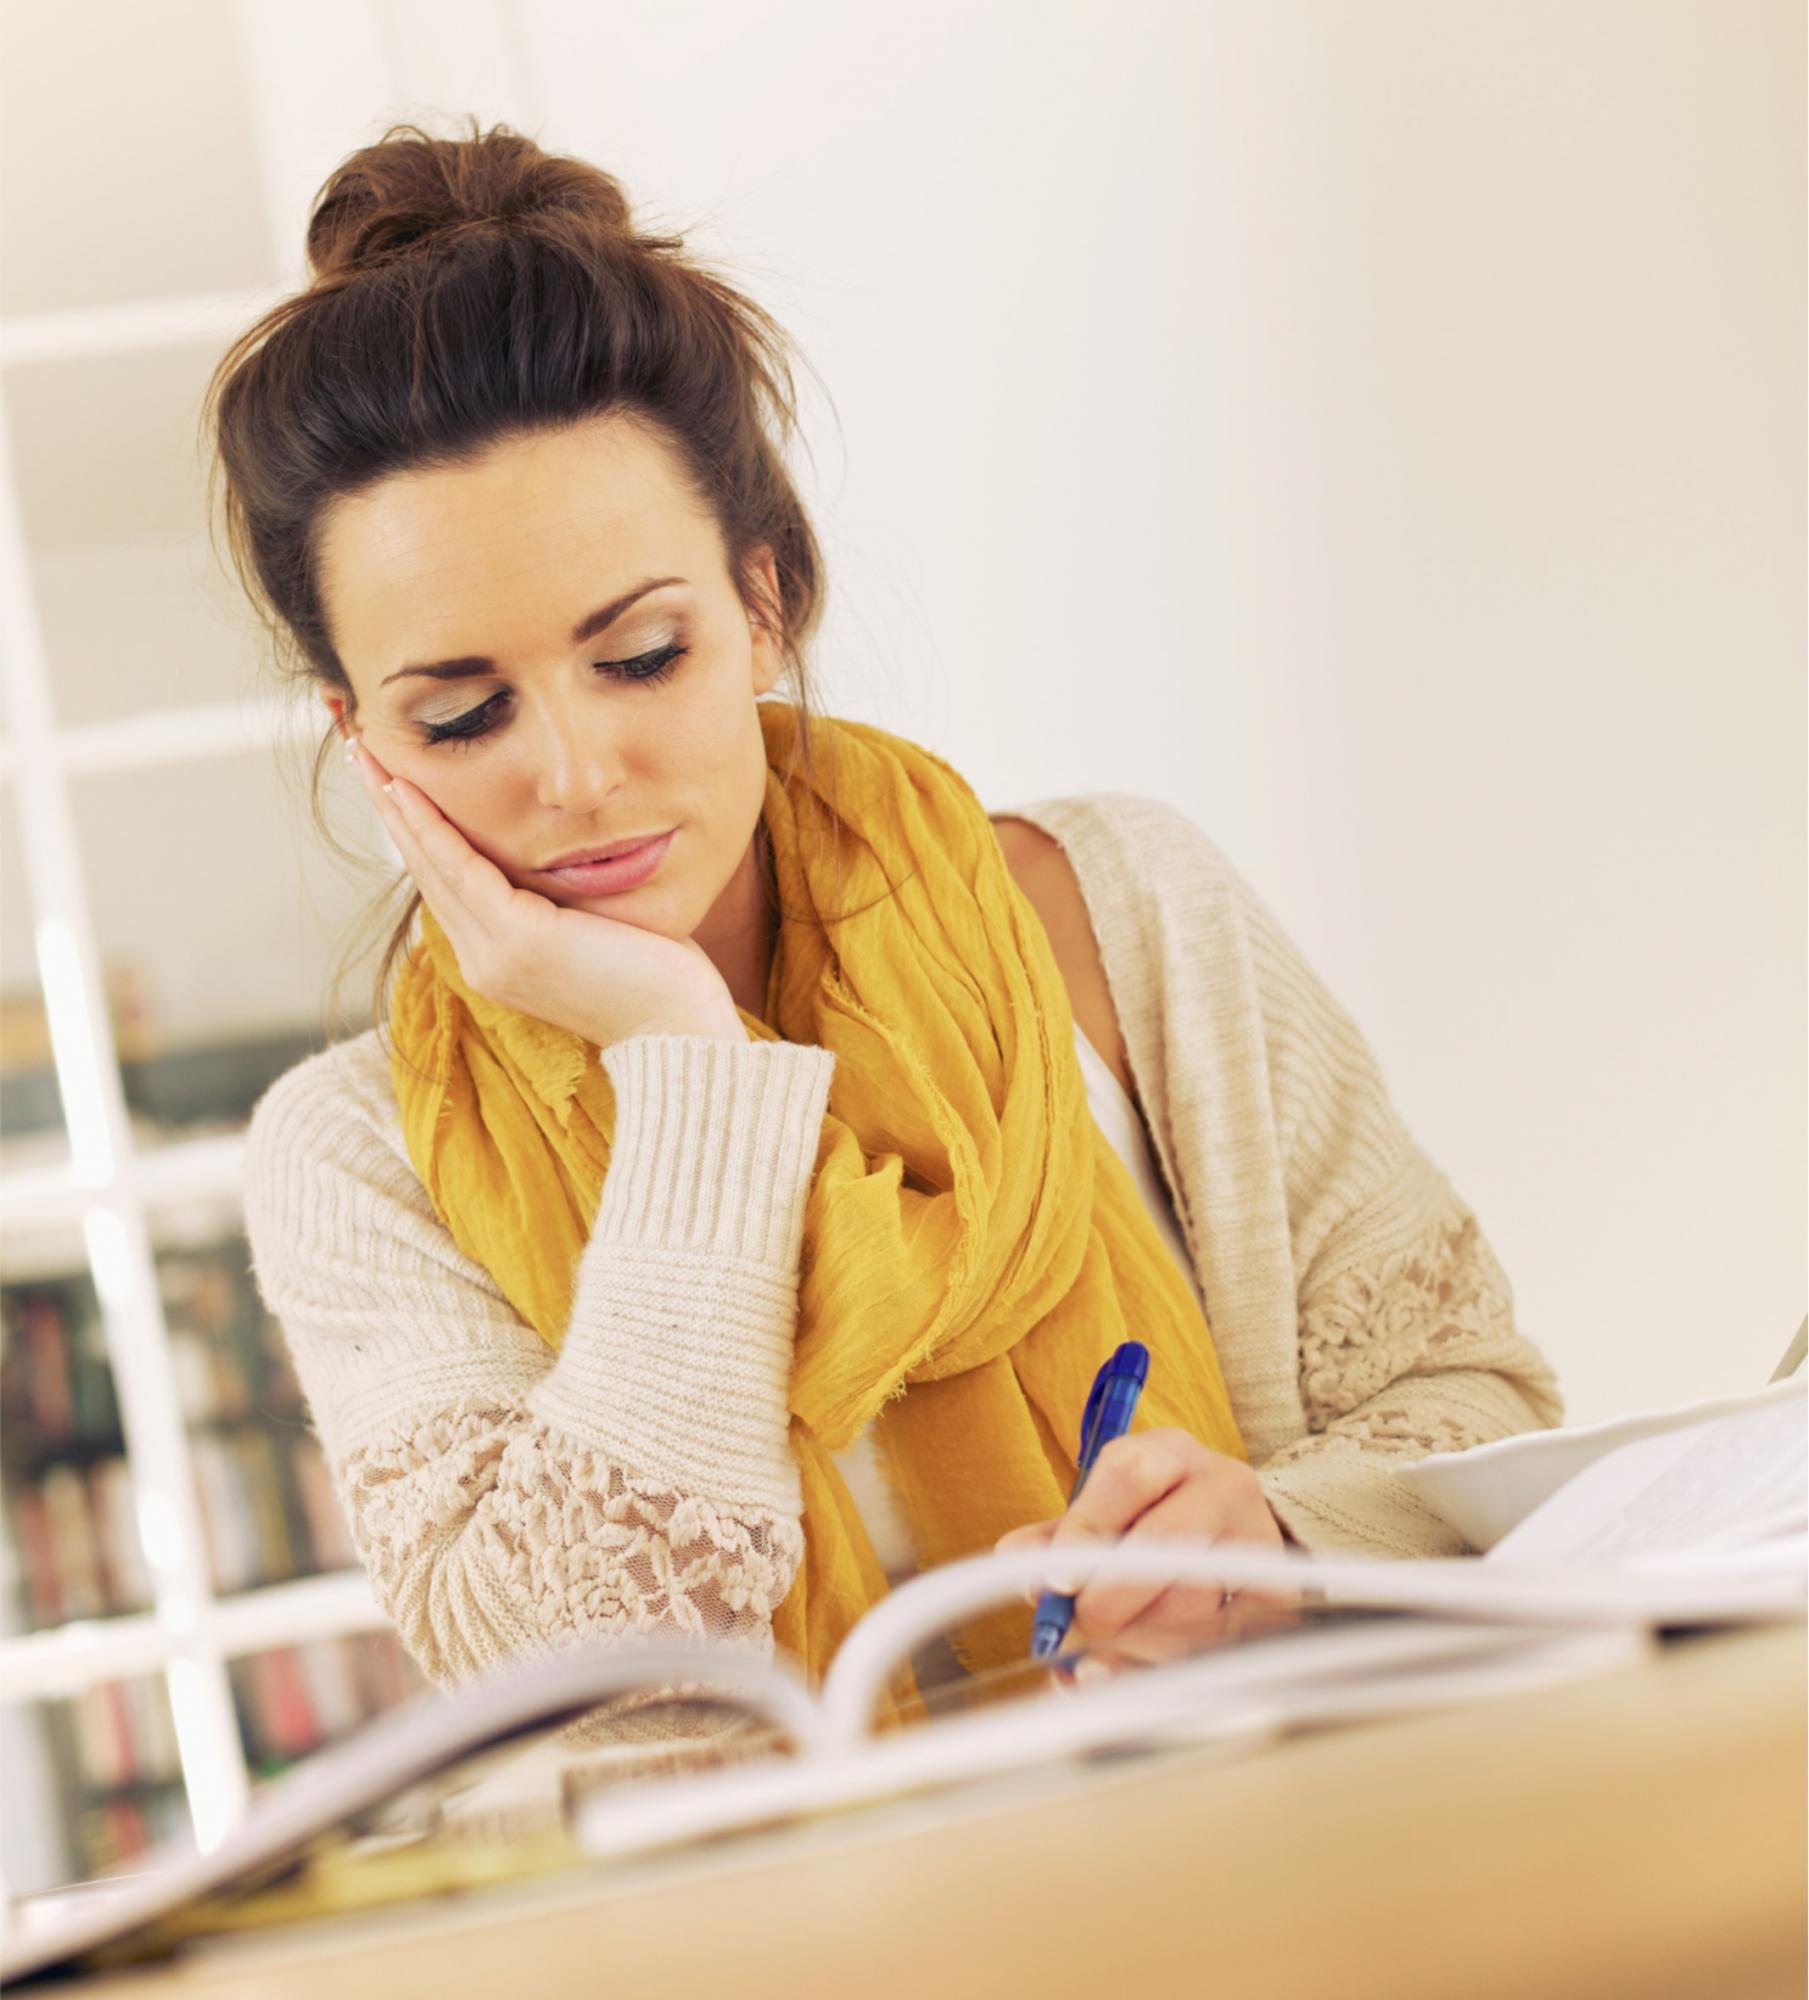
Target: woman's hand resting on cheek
column 1142, row 1487
column 602, row 979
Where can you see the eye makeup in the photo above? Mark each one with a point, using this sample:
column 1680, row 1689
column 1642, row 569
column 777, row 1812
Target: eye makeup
column 645, row 670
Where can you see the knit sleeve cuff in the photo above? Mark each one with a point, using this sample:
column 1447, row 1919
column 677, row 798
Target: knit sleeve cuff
column 677, row 1356
column 715, row 1144
column 1338, row 1490
column 1352, row 1505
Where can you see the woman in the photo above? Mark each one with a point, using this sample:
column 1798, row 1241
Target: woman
column 723, row 1231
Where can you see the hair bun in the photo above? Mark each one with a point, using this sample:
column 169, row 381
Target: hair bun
column 410, row 189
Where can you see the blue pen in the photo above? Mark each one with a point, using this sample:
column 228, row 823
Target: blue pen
column 1111, row 1403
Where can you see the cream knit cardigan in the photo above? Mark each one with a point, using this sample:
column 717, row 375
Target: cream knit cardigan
column 505, row 1499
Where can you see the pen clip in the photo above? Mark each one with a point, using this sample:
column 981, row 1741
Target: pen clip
column 1128, row 1358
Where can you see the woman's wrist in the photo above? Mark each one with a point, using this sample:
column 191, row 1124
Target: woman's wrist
column 714, row 1026
column 721, row 1028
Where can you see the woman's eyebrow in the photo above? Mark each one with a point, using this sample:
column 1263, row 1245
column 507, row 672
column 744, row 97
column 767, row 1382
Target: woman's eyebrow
column 587, row 627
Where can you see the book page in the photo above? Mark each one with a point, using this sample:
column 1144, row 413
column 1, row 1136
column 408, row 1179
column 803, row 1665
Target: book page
column 1716, row 1487
column 1490, row 1488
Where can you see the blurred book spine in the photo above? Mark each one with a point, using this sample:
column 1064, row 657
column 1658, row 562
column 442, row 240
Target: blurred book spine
column 70, row 1545
column 295, row 1699
column 267, row 1504
column 118, row 1770
column 113, row 1750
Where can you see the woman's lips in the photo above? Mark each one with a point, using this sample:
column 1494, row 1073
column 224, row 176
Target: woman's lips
column 619, row 872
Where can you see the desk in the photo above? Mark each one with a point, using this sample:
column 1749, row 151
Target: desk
column 1640, row 1833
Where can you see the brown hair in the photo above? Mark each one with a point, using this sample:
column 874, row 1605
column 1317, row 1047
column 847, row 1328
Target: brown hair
column 471, row 290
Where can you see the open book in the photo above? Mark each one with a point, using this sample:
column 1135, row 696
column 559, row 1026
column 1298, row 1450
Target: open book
column 1750, row 1459
column 1699, row 1521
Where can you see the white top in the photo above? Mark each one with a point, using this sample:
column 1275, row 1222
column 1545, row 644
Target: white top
column 887, row 1525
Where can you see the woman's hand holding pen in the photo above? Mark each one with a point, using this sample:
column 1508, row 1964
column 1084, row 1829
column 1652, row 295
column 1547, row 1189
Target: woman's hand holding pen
column 1145, row 1486
column 601, row 978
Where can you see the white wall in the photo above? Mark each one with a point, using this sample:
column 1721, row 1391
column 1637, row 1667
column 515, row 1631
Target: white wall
column 1376, row 428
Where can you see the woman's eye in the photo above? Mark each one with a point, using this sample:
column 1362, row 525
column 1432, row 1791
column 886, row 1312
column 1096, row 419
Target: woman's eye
column 648, row 667
column 644, row 670
column 462, row 728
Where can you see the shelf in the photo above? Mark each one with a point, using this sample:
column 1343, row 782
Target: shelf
column 183, row 735
column 119, row 867
column 289, row 1614
column 47, row 1665
column 32, row 1199
column 26, row 1461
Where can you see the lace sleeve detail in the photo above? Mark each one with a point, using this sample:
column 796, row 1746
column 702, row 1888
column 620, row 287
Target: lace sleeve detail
column 1441, row 1303
column 506, row 1499
column 1409, row 1352
column 487, row 1535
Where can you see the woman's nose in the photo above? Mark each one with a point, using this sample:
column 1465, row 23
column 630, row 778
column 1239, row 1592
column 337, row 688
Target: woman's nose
column 577, row 769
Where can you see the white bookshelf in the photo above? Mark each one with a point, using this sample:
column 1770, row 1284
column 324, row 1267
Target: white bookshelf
column 308, row 96
column 101, row 1205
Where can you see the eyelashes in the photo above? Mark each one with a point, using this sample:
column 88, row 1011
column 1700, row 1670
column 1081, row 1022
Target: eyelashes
column 645, row 670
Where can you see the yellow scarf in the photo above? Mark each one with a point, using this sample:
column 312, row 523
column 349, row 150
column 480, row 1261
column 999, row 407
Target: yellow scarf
column 973, row 1246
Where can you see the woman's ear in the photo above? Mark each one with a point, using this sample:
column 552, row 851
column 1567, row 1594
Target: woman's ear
column 334, row 704
column 764, row 618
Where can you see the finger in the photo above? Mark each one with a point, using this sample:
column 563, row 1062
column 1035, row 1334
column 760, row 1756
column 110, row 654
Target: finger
column 1131, row 1475
column 1271, row 1602
column 1232, row 1506
column 1177, row 1623
column 358, row 753
column 1183, row 1619
column 427, row 840
column 1249, row 1616
column 1107, row 1606
column 1089, row 1670
column 460, row 885
column 1036, row 1536
column 1170, row 1630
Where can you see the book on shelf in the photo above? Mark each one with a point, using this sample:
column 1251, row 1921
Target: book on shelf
column 1700, row 1524
column 110, row 1756
column 267, row 1507
column 294, row 1700
column 70, row 1531
column 112, row 1761
column 70, row 1546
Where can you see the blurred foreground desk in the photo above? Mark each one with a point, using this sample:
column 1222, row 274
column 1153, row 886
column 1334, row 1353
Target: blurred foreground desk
column 1641, row 1833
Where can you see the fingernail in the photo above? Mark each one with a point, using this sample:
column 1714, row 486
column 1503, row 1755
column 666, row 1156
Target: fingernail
column 1091, row 1671
column 367, row 770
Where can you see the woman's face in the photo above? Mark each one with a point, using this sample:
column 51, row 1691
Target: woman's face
column 461, row 604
